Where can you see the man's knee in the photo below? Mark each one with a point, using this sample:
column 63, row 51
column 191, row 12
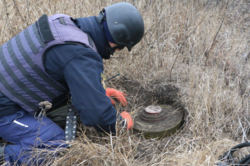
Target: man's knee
column 45, row 134
column 31, row 133
column 51, row 136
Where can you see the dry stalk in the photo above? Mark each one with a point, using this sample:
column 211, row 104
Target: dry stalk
column 218, row 113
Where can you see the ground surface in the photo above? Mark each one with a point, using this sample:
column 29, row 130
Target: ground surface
column 194, row 54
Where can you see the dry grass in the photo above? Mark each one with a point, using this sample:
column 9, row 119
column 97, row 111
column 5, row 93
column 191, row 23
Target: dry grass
column 201, row 47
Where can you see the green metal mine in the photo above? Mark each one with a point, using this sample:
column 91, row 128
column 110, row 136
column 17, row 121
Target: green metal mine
column 158, row 121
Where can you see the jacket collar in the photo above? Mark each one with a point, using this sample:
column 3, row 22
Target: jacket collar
column 94, row 29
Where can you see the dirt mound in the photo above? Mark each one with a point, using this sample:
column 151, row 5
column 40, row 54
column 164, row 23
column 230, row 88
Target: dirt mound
column 153, row 93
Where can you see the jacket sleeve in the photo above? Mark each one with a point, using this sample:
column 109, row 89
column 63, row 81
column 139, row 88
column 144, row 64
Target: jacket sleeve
column 83, row 76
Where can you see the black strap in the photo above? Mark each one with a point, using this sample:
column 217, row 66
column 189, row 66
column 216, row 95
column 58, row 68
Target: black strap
column 38, row 37
column 10, row 88
column 44, row 29
column 36, row 69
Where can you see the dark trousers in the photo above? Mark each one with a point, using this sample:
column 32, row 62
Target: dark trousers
column 26, row 132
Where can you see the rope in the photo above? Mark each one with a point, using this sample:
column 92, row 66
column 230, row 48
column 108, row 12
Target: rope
column 228, row 158
column 44, row 106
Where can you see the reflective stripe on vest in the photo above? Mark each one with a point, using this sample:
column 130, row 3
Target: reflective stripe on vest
column 23, row 78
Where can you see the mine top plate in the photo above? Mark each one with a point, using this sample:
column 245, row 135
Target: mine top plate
column 153, row 109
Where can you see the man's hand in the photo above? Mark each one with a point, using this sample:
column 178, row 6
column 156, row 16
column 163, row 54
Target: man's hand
column 118, row 95
column 128, row 119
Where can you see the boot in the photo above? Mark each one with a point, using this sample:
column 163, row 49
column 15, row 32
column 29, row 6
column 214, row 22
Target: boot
column 2, row 159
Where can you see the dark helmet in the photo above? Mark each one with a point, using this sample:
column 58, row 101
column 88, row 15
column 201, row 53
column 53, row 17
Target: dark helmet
column 125, row 24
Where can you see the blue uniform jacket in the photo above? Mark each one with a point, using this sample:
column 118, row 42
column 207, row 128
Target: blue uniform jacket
column 79, row 68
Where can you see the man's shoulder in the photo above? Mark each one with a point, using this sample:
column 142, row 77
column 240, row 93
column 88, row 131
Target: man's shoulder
column 64, row 53
column 60, row 55
column 70, row 50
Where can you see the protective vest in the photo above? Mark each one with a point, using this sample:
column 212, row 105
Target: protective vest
column 23, row 78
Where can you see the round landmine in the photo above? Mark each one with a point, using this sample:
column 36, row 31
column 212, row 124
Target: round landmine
column 158, row 121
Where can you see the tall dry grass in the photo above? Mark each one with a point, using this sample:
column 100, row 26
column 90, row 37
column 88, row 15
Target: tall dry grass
column 201, row 47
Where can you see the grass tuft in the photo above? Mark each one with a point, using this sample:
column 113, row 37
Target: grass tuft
column 196, row 52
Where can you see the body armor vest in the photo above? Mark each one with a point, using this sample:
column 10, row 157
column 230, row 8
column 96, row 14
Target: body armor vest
column 23, row 78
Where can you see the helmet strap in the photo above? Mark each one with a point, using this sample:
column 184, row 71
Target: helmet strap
column 101, row 17
column 112, row 49
column 109, row 50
